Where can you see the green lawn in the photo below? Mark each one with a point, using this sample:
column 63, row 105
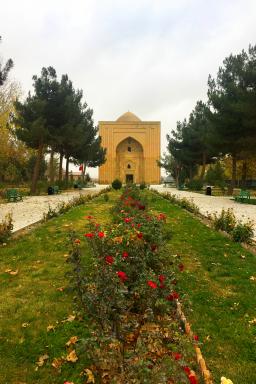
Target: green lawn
column 32, row 300
column 219, row 297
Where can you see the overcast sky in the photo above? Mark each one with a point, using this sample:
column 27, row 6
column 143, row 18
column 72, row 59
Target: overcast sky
column 151, row 57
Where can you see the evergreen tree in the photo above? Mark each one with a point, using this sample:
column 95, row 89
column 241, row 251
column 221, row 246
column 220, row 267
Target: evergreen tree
column 5, row 69
column 228, row 95
column 34, row 118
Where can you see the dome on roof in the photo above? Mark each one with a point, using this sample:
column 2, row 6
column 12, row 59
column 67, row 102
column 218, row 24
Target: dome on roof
column 128, row 116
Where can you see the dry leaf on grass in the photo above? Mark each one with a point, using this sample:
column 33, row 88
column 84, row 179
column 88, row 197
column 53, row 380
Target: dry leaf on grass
column 90, row 377
column 11, row 272
column 25, row 325
column 61, row 289
column 72, row 340
column 69, row 318
column 57, row 362
column 50, row 328
column 41, row 360
column 72, row 356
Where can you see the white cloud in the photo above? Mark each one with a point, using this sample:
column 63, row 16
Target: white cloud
column 151, row 57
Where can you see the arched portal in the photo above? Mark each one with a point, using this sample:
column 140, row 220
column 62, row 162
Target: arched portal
column 130, row 161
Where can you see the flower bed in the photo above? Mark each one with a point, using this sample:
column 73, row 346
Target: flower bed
column 129, row 294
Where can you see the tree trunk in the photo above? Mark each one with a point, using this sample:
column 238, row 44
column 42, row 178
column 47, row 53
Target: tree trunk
column 233, row 180
column 203, row 166
column 244, row 173
column 51, row 167
column 67, row 166
column 60, row 166
column 39, row 158
column 83, row 173
column 190, row 173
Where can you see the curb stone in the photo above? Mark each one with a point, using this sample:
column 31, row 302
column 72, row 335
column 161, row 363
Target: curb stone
column 200, row 360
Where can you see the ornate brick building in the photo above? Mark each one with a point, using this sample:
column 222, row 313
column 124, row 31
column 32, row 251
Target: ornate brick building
column 133, row 148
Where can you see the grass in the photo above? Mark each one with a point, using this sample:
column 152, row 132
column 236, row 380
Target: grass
column 36, row 297
column 219, row 296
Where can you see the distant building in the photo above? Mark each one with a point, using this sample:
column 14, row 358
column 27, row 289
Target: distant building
column 133, row 148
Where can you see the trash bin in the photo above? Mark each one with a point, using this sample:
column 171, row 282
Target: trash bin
column 208, row 191
column 50, row 191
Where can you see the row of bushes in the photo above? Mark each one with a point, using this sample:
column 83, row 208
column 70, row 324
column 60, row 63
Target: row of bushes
column 117, row 184
column 128, row 291
column 63, row 207
column 226, row 221
column 6, row 225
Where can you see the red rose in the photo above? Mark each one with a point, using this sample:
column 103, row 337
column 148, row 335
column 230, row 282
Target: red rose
column 181, row 267
column 122, row 276
column 161, row 285
column 77, row 241
column 138, row 225
column 161, row 278
column 125, row 255
column 177, row 356
column 140, row 235
column 152, row 284
column 186, row 369
column 192, row 379
column 89, row 235
column 161, row 216
column 109, row 260
column 101, row 234
column 196, row 338
column 89, row 217
column 127, row 219
column 174, row 295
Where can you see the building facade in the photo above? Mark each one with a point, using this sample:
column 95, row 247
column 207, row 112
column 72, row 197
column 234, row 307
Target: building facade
column 133, row 148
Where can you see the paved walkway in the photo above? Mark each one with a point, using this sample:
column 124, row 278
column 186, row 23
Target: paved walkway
column 32, row 208
column 211, row 204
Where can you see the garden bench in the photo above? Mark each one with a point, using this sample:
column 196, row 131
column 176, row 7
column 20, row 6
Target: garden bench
column 13, row 195
column 243, row 195
column 56, row 189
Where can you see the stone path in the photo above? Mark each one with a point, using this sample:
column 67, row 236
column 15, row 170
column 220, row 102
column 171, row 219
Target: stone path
column 32, row 208
column 211, row 204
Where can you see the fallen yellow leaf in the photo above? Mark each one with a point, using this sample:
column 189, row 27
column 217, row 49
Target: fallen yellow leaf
column 72, row 340
column 72, row 356
column 41, row 360
column 11, row 272
column 50, row 328
column 90, row 377
column 57, row 362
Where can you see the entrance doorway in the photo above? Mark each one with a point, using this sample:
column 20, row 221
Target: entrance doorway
column 129, row 179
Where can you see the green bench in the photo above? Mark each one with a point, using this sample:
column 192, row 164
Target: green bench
column 243, row 196
column 13, row 195
column 56, row 189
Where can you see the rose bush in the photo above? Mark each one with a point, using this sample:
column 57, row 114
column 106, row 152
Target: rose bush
column 128, row 293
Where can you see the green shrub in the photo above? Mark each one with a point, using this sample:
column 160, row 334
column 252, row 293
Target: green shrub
column 243, row 232
column 117, row 184
column 216, row 176
column 6, row 227
column 226, row 221
column 106, row 197
column 195, row 185
column 143, row 186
